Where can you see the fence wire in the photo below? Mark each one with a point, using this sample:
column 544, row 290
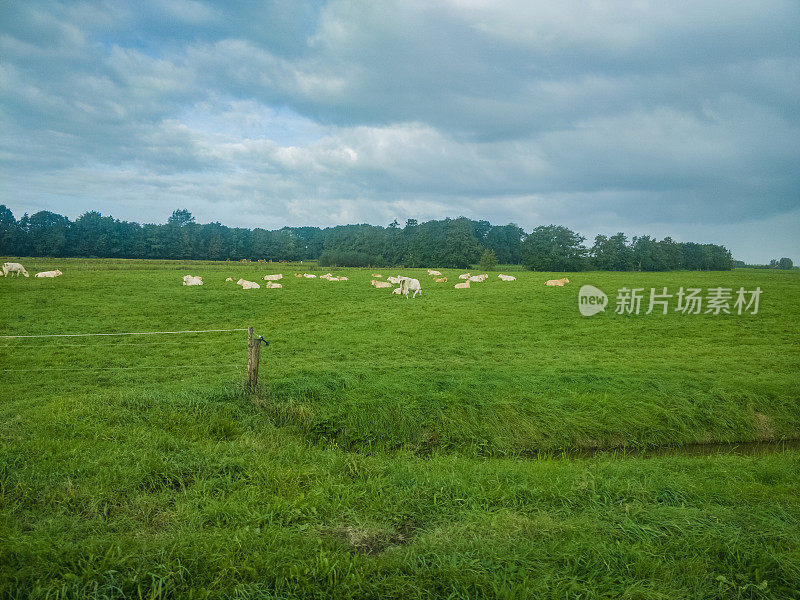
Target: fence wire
column 51, row 335
column 12, row 346
column 214, row 365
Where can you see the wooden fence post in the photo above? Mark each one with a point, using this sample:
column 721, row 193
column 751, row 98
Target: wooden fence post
column 253, row 357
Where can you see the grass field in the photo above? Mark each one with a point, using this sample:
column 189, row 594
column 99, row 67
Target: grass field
column 395, row 448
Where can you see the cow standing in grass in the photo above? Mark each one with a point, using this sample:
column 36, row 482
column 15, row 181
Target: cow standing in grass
column 14, row 269
column 410, row 285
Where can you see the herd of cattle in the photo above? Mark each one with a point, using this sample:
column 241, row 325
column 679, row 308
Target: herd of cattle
column 407, row 285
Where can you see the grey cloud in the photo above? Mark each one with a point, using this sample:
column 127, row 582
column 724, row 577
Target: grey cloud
column 620, row 115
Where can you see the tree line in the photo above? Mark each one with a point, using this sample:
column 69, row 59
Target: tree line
column 450, row 243
column 784, row 263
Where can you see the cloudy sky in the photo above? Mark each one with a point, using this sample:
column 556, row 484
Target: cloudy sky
column 648, row 117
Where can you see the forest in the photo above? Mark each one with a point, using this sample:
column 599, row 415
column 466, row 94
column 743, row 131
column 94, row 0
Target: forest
column 449, row 243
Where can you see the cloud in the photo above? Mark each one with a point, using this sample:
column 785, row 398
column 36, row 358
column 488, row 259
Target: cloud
column 619, row 116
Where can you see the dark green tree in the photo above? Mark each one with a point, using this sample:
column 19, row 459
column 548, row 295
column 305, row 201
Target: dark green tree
column 554, row 248
column 488, row 260
column 47, row 233
column 506, row 241
column 180, row 218
column 10, row 234
column 612, row 253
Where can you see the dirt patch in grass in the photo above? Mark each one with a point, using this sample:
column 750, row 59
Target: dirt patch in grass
column 764, row 429
column 370, row 541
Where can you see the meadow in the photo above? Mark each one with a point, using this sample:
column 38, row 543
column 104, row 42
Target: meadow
column 420, row 448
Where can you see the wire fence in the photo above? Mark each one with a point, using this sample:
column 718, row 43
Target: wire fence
column 51, row 335
column 214, row 365
column 10, row 345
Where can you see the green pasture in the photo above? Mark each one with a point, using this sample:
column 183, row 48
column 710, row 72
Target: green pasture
column 498, row 369
column 394, row 449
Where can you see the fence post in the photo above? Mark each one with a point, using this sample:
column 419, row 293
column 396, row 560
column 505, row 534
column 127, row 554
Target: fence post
column 253, row 357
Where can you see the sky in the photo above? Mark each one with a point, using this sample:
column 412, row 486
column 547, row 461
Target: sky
column 676, row 118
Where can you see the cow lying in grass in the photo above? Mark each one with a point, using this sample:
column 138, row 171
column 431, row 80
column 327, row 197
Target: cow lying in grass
column 248, row 285
column 557, row 282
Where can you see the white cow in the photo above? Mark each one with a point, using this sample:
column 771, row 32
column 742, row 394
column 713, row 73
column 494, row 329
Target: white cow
column 462, row 286
column 14, row 269
column 507, row 277
column 397, row 290
column 272, row 284
column 436, row 273
column 465, row 276
column 394, row 280
column 248, row 285
column 309, row 276
column 380, row 284
column 55, row 273
column 407, row 284
column 274, row 277
column 478, row 278
column 192, row 280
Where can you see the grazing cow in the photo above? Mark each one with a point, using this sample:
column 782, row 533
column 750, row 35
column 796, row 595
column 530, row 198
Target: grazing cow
column 465, row 276
column 397, row 290
column 274, row 277
column 462, row 286
column 248, row 285
column 14, row 269
column 431, row 272
column 55, row 273
column 507, row 277
column 441, row 280
column 407, row 284
column 381, row 284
